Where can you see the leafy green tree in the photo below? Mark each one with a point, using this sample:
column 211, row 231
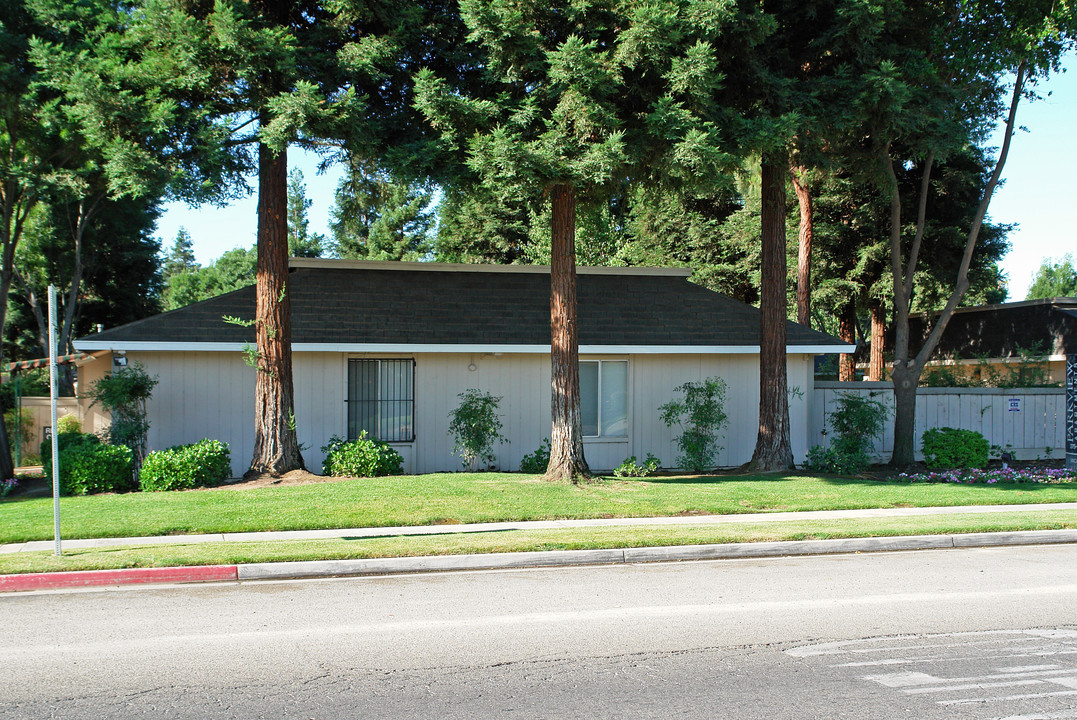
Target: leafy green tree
column 232, row 270
column 107, row 274
column 474, row 225
column 946, row 79
column 1054, row 279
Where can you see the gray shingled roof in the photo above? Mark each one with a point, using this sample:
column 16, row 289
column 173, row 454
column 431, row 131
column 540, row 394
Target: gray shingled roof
column 392, row 303
column 1002, row 331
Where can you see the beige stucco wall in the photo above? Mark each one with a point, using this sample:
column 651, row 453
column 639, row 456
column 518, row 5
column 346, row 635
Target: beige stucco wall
column 211, row 394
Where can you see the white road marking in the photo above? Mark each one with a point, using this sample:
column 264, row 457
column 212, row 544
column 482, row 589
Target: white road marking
column 849, row 646
column 1007, row 698
column 1060, row 715
column 1001, row 656
column 971, row 686
column 911, row 679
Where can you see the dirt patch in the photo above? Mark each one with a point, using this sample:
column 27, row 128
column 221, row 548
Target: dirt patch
column 294, row 477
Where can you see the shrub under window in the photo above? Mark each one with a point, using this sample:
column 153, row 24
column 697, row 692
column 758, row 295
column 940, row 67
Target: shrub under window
column 362, row 457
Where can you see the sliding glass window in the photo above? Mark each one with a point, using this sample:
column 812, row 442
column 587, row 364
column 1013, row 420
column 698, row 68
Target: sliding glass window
column 604, row 398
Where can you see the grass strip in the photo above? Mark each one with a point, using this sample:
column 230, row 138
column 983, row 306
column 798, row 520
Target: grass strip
column 527, row 540
column 488, row 497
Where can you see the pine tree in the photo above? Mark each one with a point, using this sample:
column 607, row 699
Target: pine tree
column 301, row 243
column 181, row 257
column 378, row 217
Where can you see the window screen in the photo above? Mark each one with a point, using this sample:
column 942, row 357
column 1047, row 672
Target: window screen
column 604, row 398
column 381, row 399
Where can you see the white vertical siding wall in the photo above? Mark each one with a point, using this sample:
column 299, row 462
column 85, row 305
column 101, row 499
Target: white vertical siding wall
column 1035, row 430
column 211, row 395
column 201, row 395
column 655, row 378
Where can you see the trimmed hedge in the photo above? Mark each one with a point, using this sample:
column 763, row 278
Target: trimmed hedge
column 201, row 464
column 947, row 447
column 87, row 466
column 362, row 457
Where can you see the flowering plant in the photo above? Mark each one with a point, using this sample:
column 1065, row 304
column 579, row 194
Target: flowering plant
column 991, row 476
column 7, row 486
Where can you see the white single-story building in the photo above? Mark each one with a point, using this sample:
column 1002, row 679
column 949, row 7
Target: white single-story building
column 389, row 346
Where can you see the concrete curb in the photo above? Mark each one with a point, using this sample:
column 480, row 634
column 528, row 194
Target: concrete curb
column 496, row 561
column 127, row 576
column 726, row 551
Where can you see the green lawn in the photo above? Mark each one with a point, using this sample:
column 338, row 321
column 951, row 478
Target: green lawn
column 527, row 540
column 464, row 498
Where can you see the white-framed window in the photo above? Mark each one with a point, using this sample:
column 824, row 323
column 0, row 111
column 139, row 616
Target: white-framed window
column 381, row 399
column 604, row 398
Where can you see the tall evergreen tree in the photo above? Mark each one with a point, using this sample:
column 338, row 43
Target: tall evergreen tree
column 252, row 79
column 180, row 257
column 301, row 242
column 582, row 94
column 379, row 217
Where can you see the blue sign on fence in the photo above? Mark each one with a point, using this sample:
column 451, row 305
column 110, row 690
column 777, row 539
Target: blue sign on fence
column 1015, row 404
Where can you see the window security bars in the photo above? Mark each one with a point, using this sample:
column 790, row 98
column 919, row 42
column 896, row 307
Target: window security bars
column 381, row 399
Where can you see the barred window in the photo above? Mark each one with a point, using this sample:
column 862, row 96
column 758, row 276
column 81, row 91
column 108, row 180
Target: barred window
column 381, row 399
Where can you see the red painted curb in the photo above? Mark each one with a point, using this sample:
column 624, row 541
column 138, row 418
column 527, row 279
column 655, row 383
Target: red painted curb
column 129, row 576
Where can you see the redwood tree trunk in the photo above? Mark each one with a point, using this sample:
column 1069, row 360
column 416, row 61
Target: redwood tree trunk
column 878, row 332
column 566, row 436
column 773, row 450
column 847, row 332
column 276, row 449
column 804, row 241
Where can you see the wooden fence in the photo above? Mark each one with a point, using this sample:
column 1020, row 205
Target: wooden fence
column 1028, row 422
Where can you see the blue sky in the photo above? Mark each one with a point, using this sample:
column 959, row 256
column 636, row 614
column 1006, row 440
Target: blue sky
column 1038, row 194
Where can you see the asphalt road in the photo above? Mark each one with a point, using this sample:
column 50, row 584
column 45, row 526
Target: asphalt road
column 988, row 633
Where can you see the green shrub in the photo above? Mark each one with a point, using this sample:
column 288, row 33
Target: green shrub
column 701, row 416
column 64, row 441
column 362, row 457
column 201, row 464
column 475, row 428
column 832, row 460
column 538, row 461
column 68, row 424
column 947, row 447
column 123, row 394
column 630, row 468
column 92, row 467
column 856, row 421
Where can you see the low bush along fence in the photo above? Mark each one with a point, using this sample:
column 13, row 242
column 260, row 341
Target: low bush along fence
column 1026, row 423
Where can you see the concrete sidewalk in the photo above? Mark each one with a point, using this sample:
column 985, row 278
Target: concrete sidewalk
column 384, row 566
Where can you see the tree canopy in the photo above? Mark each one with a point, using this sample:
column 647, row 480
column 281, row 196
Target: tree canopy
column 1054, row 278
